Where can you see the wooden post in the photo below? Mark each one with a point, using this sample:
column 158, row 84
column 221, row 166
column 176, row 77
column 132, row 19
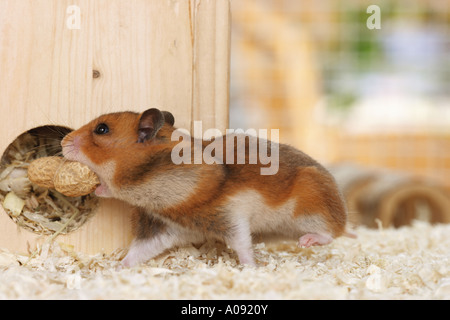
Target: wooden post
column 66, row 62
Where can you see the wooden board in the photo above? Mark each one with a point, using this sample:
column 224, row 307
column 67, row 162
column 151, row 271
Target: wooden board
column 66, row 62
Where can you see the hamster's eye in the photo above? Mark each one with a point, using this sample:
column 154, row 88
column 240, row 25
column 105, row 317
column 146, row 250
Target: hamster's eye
column 102, row 128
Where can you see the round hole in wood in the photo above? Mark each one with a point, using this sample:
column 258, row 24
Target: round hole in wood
column 38, row 209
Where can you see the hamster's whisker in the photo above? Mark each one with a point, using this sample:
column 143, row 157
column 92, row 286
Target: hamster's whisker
column 58, row 130
column 47, row 147
column 44, row 137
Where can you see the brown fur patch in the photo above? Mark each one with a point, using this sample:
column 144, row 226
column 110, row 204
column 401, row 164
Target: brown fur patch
column 317, row 193
column 145, row 225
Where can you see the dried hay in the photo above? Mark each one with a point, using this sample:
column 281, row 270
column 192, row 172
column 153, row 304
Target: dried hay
column 406, row 263
column 42, row 210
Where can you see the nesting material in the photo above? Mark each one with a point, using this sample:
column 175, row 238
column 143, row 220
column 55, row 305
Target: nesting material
column 40, row 209
column 14, row 204
column 71, row 178
column 405, row 263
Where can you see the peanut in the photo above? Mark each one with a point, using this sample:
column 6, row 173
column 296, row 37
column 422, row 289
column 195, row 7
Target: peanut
column 71, row 178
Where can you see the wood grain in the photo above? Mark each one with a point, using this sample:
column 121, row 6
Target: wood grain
column 173, row 55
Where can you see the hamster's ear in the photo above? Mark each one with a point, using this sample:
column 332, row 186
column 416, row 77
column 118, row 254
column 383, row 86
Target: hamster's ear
column 149, row 124
column 168, row 118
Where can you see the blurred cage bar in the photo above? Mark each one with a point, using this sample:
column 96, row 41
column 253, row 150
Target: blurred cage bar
column 344, row 93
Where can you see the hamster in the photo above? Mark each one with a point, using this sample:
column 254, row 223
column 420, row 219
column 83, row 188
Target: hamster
column 187, row 203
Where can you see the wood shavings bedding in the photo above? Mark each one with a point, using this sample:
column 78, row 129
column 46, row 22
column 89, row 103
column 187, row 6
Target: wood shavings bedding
column 37, row 209
column 406, row 263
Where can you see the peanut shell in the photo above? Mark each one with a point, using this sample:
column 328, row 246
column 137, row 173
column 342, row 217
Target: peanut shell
column 75, row 179
column 71, row 178
column 42, row 171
